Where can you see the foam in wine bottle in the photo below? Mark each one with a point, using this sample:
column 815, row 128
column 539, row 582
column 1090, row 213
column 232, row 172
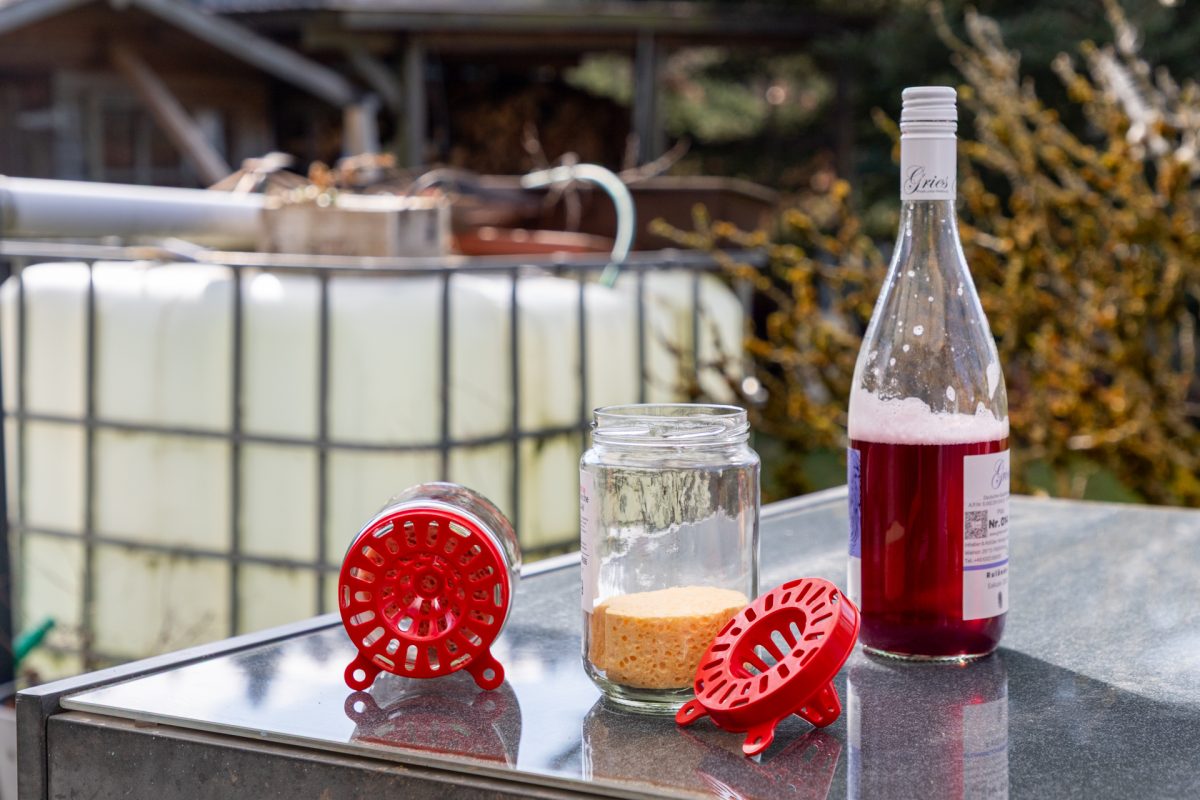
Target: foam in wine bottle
column 909, row 420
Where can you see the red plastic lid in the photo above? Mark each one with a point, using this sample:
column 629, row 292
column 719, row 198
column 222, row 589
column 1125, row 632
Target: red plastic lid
column 776, row 657
column 423, row 592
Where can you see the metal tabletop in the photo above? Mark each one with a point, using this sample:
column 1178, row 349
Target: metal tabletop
column 1095, row 692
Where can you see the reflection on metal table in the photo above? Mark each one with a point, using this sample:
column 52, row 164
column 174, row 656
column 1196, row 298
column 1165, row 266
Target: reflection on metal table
column 1095, row 692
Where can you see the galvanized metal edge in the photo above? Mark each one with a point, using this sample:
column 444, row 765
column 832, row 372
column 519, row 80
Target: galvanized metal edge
column 37, row 704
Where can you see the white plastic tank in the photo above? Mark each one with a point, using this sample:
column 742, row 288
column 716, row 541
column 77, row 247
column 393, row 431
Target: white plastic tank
column 163, row 357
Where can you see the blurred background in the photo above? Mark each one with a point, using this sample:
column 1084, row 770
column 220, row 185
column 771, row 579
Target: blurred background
column 269, row 262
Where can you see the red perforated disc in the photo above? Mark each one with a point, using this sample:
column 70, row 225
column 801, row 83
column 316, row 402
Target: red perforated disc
column 776, row 657
column 424, row 592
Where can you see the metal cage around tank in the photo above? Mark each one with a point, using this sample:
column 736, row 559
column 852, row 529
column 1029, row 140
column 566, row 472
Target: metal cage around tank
column 15, row 256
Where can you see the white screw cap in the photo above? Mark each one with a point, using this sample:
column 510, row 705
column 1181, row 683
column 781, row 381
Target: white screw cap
column 929, row 104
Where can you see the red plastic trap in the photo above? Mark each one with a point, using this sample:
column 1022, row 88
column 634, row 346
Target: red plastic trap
column 776, row 657
column 423, row 592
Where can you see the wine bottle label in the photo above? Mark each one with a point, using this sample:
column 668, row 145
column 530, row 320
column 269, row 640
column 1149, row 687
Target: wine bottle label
column 589, row 529
column 985, row 535
column 854, row 564
column 928, row 168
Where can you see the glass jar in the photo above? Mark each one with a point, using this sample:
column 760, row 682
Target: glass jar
column 669, row 502
column 459, row 499
column 427, row 586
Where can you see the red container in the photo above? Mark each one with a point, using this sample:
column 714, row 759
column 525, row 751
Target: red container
column 427, row 585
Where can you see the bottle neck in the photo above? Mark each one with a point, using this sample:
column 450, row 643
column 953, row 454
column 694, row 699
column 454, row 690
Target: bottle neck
column 927, row 244
column 917, row 216
column 928, row 184
column 928, row 167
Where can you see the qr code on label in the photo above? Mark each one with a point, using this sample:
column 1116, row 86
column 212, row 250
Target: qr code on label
column 976, row 525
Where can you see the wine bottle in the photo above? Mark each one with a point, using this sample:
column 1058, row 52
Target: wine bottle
column 928, row 463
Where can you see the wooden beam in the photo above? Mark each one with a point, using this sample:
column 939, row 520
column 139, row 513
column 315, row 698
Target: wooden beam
column 170, row 115
column 414, row 103
column 561, row 43
column 645, row 99
column 844, row 118
column 378, row 75
column 322, row 34
column 244, row 44
column 19, row 14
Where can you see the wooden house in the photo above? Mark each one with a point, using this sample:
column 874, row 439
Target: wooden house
column 179, row 92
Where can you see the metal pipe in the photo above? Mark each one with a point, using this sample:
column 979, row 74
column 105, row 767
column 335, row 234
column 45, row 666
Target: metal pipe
column 614, row 187
column 8, row 652
column 323, row 338
column 300, row 263
column 37, row 208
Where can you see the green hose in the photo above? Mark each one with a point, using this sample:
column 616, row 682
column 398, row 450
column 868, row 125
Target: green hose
column 30, row 639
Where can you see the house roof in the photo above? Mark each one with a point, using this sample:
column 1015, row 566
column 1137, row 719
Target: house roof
column 257, row 6
column 583, row 19
column 214, row 29
column 723, row 18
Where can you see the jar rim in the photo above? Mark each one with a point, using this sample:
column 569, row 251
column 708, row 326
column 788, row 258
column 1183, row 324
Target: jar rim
column 670, row 424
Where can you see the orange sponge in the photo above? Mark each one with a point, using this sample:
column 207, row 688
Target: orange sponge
column 654, row 640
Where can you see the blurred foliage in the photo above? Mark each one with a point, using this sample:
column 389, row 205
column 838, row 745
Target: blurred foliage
column 712, row 95
column 769, row 113
column 903, row 48
column 1084, row 240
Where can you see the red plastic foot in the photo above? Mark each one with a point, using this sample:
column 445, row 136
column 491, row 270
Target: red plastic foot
column 486, row 671
column 822, row 708
column 759, row 738
column 691, row 711
column 360, row 673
